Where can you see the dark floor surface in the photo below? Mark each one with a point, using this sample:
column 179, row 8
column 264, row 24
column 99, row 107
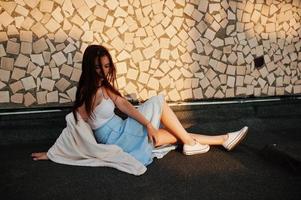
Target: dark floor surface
column 252, row 171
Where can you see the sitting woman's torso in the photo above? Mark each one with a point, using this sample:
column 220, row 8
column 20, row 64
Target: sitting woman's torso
column 103, row 111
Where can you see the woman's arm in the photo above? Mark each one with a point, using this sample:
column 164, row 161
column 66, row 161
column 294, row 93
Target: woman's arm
column 126, row 107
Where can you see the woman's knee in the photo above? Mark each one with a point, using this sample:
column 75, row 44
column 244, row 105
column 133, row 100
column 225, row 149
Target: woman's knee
column 164, row 137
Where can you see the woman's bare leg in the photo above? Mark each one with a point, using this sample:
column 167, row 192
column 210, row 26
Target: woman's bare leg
column 211, row 140
column 172, row 124
column 39, row 156
column 173, row 129
column 165, row 137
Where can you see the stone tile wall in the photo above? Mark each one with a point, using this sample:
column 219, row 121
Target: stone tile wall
column 187, row 50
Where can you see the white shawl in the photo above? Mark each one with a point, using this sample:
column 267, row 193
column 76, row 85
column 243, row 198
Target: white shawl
column 77, row 146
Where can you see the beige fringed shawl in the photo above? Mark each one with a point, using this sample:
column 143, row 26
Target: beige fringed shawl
column 77, row 146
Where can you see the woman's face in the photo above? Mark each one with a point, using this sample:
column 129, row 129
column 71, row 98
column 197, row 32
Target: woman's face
column 104, row 64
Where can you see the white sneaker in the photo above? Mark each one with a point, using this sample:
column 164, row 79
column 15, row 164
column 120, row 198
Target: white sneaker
column 197, row 148
column 234, row 138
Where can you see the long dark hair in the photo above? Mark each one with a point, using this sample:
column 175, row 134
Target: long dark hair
column 90, row 80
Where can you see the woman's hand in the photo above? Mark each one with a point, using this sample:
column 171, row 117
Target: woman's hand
column 152, row 133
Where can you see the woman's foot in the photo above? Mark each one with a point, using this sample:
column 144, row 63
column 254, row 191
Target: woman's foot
column 196, row 148
column 39, row 156
column 234, row 138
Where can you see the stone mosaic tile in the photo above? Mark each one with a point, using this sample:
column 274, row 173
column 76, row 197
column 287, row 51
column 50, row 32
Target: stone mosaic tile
column 7, row 63
column 16, row 86
column 39, row 30
column 4, row 97
column 152, row 39
column 17, row 73
column 17, row 98
column 29, row 99
column 52, row 97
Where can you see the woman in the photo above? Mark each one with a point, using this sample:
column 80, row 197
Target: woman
column 151, row 125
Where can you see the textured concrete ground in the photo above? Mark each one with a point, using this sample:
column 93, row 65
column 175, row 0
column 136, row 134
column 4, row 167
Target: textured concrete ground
column 256, row 169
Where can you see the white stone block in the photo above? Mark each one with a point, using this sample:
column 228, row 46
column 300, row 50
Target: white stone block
column 209, row 34
column 29, row 99
column 21, row 10
column 75, row 75
column 2, row 50
column 36, row 14
column 270, row 27
column 261, row 82
column 59, row 58
column 231, row 81
column 36, row 72
column 170, row 31
column 165, row 82
column 75, row 32
column 41, row 97
column 4, row 97
column 39, row 30
column 87, row 36
column 8, row 63
column 62, row 84
column 137, row 56
column 174, row 95
column 52, row 97
column 255, row 16
column 6, row 19
column 112, row 33
column 60, row 36
column 143, row 78
column 26, row 48
column 204, row 82
column 248, row 79
column 264, row 72
column 209, row 92
column 197, row 15
column 2, row 85
column 69, row 48
column 241, row 91
column 214, row 7
column 84, row 11
column 121, row 68
column 17, row 98
column 47, row 84
column 271, row 78
column 232, row 58
column 18, row 73
column 153, row 83
column 25, row 36
column 55, row 74
column 203, row 6
column 210, row 74
column 186, row 94
column 37, row 59
column 12, row 47
column 16, row 86
column 71, row 93
column 198, row 93
column 194, row 34
column 217, row 42
column 46, row 6
column 118, row 44
column 28, row 83
column 202, row 26
column 165, row 54
column 40, row 46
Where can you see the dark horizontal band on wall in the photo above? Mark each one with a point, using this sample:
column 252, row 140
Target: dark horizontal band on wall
column 65, row 108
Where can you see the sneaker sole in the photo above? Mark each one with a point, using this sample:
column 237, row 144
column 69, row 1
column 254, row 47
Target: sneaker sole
column 237, row 140
column 189, row 153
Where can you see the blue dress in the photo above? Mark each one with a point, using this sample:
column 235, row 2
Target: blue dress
column 129, row 134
